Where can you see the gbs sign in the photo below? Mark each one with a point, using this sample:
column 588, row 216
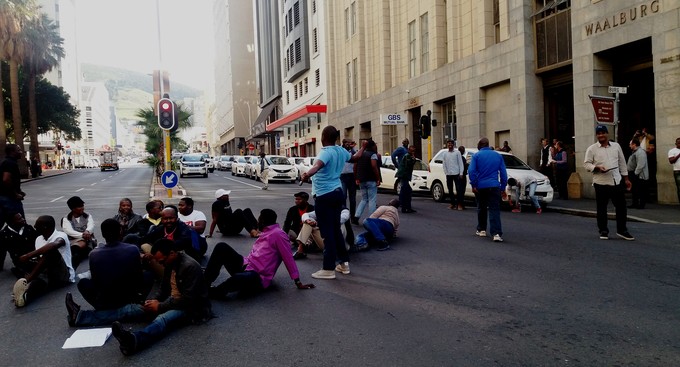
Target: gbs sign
column 393, row 119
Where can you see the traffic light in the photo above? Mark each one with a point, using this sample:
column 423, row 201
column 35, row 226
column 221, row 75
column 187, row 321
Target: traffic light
column 425, row 127
column 166, row 114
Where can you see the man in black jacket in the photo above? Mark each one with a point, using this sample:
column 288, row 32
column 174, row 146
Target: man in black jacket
column 185, row 238
column 143, row 226
column 293, row 222
column 17, row 238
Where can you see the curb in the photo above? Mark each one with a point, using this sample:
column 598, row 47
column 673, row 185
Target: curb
column 152, row 188
column 593, row 214
column 46, row 176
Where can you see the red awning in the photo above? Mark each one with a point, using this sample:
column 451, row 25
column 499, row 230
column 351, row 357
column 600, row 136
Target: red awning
column 301, row 112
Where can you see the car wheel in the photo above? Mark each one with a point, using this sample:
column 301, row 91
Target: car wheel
column 437, row 191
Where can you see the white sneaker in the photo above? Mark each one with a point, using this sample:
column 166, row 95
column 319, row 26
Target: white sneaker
column 85, row 275
column 497, row 238
column 19, row 291
column 342, row 268
column 481, row 233
column 324, row 274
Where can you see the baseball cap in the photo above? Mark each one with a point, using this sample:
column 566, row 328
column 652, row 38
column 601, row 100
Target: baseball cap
column 601, row 129
column 302, row 194
column 221, row 192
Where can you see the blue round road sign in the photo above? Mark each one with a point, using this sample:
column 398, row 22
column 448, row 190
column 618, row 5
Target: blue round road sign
column 169, row 179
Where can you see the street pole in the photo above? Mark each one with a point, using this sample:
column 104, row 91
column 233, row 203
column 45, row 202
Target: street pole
column 166, row 133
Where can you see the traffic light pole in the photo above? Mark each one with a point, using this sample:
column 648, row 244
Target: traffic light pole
column 166, row 143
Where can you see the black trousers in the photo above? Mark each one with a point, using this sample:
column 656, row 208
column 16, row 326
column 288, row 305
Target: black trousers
column 240, row 279
column 639, row 190
column 239, row 219
column 605, row 193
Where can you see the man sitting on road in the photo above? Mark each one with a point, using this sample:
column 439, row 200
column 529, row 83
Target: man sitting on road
column 310, row 233
column 50, row 261
column 182, row 300
column 79, row 227
column 116, row 269
column 380, row 227
column 293, row 222
column 126, row 217
column 255, row 272
column 194, row 219
column 185, row 238
column 230, row 222
column 151, row 219
column 17, row 238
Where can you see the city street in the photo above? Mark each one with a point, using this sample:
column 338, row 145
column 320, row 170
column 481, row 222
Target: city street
column 551, row 294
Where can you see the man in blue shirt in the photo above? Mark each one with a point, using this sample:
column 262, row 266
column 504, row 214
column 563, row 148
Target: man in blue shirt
column 485, row 169
column 400, row 152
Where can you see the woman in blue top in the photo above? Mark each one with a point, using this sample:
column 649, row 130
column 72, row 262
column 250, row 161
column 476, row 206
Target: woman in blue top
column 329, row 199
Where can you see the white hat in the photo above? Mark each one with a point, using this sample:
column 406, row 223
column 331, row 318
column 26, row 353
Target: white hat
column 221, row 192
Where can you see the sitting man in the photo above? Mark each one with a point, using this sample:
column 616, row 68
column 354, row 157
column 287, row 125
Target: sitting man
column 381, row 226
column 195, row 219
column 293, row 222
column 185, row 238
column 310, row 233
column 79, row 227
column 126, row 217
column 231, row 222
column 151, row 219
column 17, row 238
column 51, row 262
column 255, row 272
column 116, row 269
column 519, row 188
column 183, row 299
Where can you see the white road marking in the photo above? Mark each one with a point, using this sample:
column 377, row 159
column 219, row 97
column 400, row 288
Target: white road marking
column 61, row 197
column 241, row 182
column 103, row 179
column 93, row 184
column 80, row 189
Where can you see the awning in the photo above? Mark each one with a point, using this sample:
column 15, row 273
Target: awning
column 266, row 111
column 301, row 112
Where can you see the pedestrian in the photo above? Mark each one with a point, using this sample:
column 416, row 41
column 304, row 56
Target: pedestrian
column 349, row 185
column 35, row 167
column 638, row 173
column 506, row 147
column 151, row 219
column 69, row 163
column 184, row 237
column 11, row 195
column 610, row 179
column 526, row 185
column 485, row 169
column 404, row 174
column 545, row 167
column 674, row 160
column 231, row 222
column 255, row 272
column 381, row 227
column 463, row 178
column 17, row 239
column 264, row 171
column 367, row 173
column 327, row 191
column 398, row 153
column 561, row 170
column 182, row 300
column 454, row 168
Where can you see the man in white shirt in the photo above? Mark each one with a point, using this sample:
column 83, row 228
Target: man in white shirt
column 674, row 159
column 79, row 227
column 52, row 258
column 638, row 172
column 453, row 169
column 195, row 219
column 610, row 179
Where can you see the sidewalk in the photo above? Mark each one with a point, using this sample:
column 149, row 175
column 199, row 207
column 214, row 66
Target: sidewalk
column 652, row 213
column 47, row 174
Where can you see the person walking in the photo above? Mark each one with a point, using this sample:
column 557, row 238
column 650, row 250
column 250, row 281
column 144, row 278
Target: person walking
column 327, row 191
column 610, row 179
column 264, row 171
column 674, row 160
column 367, row 173
column 638, row 173
column 485, row 169
column 453, row 169
column 404, row 174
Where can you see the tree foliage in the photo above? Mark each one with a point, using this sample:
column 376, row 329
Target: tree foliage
column 149, row 121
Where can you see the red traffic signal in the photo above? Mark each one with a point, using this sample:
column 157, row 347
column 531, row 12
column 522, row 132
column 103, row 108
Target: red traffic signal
column 166, row 114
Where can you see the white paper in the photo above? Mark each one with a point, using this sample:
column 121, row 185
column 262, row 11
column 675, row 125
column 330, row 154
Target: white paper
column 88, row 338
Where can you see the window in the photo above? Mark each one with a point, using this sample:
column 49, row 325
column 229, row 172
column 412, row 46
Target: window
column 355, row 80
column 314, row 6
column 552, row 22
column 449, row 124
column 296, row 12
column 497, row 21
column 285, row 25
column 298, row 51
column 315, row 41
column 354, row 17
column 348, row 70
column 317, row 77
column 412, row 49
column 392, row 137
column 291, row 56
column 424, row 44
column 347, row 25
column 288, row 99
column 300, row 84
column 306, row 85
column 290, row 20
column 296, row 91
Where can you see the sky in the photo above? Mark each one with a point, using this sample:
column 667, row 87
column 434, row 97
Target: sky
column 124, row 33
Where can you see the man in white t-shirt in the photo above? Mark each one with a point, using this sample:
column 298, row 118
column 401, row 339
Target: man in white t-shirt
column 195, row 219
column 52, row 263
column 674, row 159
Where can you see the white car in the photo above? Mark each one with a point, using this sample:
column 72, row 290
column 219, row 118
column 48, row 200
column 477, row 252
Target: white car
column 280, row 169
column 514, row 166
column 224, row 163
column 238, row 166
column 302, row 164
column 193, row 164
column 391, row 182
column 209, row 162
column 251, row 166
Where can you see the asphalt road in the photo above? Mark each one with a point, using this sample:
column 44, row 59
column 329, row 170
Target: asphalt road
column 552, row 294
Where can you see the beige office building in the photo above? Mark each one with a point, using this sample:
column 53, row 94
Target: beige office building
column 507, row 70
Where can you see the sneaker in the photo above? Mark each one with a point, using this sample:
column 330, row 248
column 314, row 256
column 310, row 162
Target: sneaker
column 383, row 245
column 481, row 233
column 127, row 340
column 342, row 268
column 539, row 211
column 516, row 210
column 19, row 291
column 324, row 274
column 604, row 235
column 85, row 275
column 625, row 235
column 264, row 188
column 497, row 238
column 73, row 309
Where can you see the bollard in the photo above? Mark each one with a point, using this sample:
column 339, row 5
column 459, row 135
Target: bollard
column 574, row 186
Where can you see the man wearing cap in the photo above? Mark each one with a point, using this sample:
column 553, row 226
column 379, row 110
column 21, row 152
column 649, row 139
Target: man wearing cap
column 293, row 222
column 231, row 222
column 610, row 179
column 79, row 227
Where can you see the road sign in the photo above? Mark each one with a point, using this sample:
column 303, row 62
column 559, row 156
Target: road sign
column 169, row 179
column 620, row 90
column 604, row 108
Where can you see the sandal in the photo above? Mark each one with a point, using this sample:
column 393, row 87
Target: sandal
column 299, row 255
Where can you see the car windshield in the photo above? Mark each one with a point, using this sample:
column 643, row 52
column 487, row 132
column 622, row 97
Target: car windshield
column 420, row 166
column 515, row 163
column 241, row 160
column 192, row 158
column 279, row 160
column 224, row 158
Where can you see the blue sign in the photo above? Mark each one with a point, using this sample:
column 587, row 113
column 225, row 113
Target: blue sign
column 169, row 179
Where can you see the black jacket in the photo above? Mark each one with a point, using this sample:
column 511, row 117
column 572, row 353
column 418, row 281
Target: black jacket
column 192, row 288
column 184, row 238
column 294, row 219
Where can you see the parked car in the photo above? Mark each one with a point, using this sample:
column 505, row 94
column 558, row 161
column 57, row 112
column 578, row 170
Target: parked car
column 224, row 162
column 302, row 164
column 238, row 166
column 515, row 167
column 193, row 164
column 209, row 162
column 280, row 169
column 250, row 167
column 390, row 182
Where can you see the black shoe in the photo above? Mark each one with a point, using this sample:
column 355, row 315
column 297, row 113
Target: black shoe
column 383, row 245
column 217, row 293
column 604, row 235
column 127, row 340
column 625, row 235
column 299, row 255
column 73, row 309
column 354, row 221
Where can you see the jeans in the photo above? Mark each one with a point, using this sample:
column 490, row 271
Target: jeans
column 532, row 194
column 349, row 190
column 380, row 229
column 604, row 193
column 328, row 208
column 489, row 203
column 369, row 191
column 405, row 195
column 676, row 175
column 240, row 280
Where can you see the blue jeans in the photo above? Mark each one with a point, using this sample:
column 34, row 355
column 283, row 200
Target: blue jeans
column 328, row 208
column 107, row 317
column 532, row 194
column 489, row 203
column 380, row 229
column 369, row 192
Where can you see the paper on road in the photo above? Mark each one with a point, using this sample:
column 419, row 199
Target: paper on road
column 87, row 338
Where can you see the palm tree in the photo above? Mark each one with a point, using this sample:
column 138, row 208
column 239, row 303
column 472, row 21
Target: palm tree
column 44, row 52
